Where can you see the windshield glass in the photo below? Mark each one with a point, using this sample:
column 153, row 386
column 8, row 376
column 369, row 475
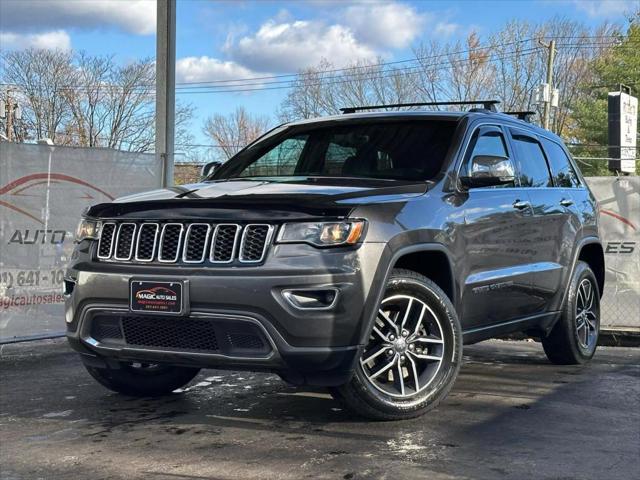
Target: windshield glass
column 412, row 150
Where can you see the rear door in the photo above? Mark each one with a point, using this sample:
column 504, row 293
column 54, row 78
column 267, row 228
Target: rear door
column 551, row 236
column 575, row 201
column 495, row 246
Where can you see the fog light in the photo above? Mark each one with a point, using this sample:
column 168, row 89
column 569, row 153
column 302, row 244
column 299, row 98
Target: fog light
column 69, row 285
column 312, row 299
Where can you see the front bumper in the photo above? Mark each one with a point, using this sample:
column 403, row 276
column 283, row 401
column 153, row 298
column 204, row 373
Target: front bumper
column 318, row 347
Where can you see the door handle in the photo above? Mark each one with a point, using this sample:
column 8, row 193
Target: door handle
column 520, row 205
column 566, row 202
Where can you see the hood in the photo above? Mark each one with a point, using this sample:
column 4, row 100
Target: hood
column 248, row 200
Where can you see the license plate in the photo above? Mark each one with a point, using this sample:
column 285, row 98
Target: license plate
column 156, row 297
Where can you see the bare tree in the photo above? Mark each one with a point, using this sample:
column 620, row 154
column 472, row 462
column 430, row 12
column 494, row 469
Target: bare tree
column 38, row 78
column 324, row 89
column 233, row 132
column 508, row 66
column 89, row 100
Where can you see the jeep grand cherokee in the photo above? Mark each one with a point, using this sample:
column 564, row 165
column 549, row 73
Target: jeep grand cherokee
column 357, row 252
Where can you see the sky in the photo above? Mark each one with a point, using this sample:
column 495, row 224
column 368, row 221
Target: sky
column 227, row 40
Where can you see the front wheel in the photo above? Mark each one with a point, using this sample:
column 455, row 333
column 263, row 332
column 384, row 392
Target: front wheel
column 413, row 354
column 574, row 337
column 143, row 379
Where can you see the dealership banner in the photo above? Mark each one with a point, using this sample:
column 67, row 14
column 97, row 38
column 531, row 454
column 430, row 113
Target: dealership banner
column 619, row 200
column 43, row 191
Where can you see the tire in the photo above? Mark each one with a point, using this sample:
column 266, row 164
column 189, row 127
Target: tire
column 433, row 329
column 565, row 344
column 143, row 380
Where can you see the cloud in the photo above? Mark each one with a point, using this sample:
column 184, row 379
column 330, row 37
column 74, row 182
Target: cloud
column 53, row 40
column 132, row 16
column 205, row 69
column 392, row 25
column 605, row 8
column 290, row 46
column 445, row 29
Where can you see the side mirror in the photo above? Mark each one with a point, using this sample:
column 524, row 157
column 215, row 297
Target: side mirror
column 487, row 171
column 208, row 169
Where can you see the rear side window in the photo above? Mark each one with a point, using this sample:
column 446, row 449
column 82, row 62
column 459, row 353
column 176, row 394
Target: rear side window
column 563, row 172
column 534, row 171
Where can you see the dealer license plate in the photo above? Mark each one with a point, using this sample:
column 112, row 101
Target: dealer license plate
column 156, row 297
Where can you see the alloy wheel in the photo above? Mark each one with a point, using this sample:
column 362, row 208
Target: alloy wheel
column 586, row 314
column 406, row 347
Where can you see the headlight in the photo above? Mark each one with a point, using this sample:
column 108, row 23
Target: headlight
column 322, row 234
column 87, row 229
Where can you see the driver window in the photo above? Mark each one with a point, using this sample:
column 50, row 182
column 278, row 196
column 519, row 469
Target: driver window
column 486, row 141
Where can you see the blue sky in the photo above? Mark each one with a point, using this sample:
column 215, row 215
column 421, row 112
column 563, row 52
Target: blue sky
column 224, row 40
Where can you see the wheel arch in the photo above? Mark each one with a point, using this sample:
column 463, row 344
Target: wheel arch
column 400, row 258
column 593, row 254
column 434, row 264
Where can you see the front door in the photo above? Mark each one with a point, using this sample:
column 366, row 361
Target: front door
column 497, row 248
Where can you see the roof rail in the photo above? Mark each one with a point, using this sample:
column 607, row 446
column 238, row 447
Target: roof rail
column 525, row 115
column 486, row 104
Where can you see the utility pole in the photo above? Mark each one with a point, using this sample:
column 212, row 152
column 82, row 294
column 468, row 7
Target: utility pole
column 166, row 87
column 551, row 46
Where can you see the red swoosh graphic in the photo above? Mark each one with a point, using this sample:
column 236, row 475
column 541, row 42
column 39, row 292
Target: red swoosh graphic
column 43, row 182
column 19, row 210
column 618, row 217
column 56, row 176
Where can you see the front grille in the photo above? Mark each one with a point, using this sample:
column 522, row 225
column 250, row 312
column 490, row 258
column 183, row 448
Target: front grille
column 172, row 333
column 223, row 336
column 195, row 243
column 245, row 341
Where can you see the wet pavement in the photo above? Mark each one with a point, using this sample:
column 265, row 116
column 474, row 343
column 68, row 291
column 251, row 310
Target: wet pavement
column 511, row 415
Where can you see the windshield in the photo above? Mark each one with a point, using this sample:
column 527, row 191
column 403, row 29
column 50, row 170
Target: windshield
column 412, row 150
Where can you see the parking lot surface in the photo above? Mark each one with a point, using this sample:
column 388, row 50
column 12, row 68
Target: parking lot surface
column 511, row 415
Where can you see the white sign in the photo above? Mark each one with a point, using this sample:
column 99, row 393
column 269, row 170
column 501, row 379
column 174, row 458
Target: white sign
column 623, row 129
column 43, row 191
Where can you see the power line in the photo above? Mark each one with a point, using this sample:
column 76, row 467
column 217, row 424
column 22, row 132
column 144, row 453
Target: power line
column 295, row 76
column 379, row 75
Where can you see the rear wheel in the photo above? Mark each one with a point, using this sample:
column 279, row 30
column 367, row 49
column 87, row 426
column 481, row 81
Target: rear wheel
column 143, row 379
column 574, row 338
column 413, row 354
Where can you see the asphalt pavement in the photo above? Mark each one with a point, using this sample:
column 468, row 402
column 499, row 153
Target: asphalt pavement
column 511, row 415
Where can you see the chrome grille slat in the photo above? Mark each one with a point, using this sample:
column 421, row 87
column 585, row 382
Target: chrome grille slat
column 255, row 239
column 105, row 244
column 146, row 242
column 195, row 243
column 125, row 241
column 184, row 242
column 224, row 243
column 170, row 242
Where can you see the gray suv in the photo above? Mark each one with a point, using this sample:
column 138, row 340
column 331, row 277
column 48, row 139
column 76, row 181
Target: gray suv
column 357, row 252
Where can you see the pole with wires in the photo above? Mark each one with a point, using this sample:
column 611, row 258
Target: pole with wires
column 551, row 46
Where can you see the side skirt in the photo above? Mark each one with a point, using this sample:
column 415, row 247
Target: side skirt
column 542, row 322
